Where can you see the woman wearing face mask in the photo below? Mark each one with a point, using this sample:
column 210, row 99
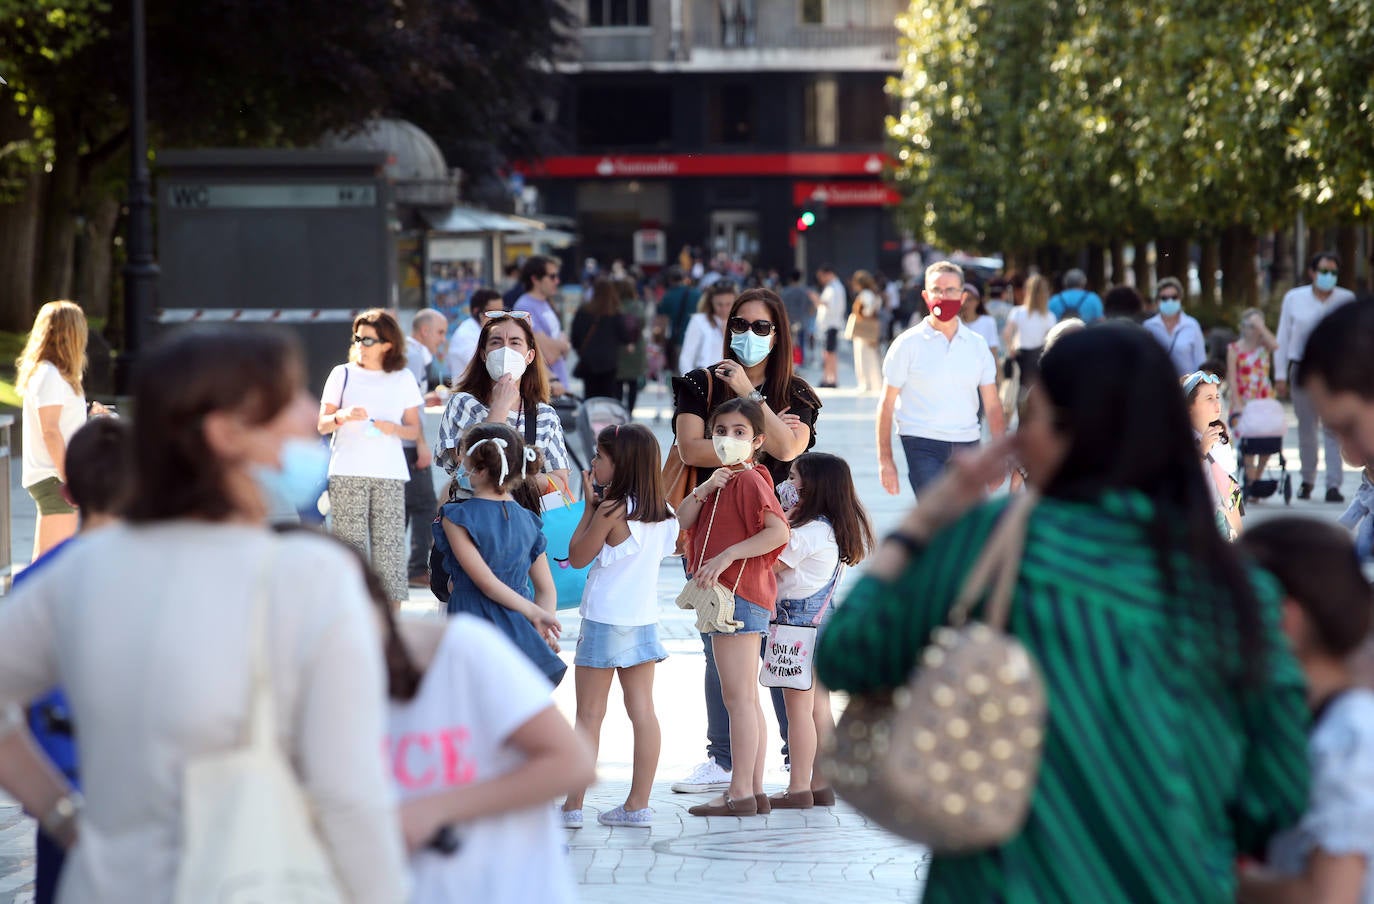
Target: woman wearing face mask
column 706, row 330
column 757, row 366
column 148, row 627
column 1179, row 334
column 505, row 383
column 1204, row 409
column 369, row 405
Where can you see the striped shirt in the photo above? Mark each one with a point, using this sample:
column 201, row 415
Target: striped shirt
column 463, row 410
column 1157, row 770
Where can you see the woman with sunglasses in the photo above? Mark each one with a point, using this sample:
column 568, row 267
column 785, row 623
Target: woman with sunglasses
column 757, row 350
column 505, row 383
column 705, row 334
column 370, row 405
column 1203, row 391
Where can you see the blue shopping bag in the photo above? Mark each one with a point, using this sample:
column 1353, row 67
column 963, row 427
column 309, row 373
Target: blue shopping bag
column 561, row 516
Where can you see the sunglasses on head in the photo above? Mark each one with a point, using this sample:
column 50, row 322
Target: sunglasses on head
column 516, row 315
column 365, row 341
column 1191, row 381
column 760, row 327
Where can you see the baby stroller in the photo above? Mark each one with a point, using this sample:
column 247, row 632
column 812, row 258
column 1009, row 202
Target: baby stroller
column 583, row 419
column 1261, row 427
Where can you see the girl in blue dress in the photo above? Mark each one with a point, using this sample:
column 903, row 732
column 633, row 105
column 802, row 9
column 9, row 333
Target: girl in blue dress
column 493, row 548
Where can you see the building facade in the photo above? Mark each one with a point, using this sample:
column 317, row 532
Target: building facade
column 716, row 124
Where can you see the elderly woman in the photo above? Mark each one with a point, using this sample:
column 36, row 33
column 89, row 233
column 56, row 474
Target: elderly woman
column 1176, row 725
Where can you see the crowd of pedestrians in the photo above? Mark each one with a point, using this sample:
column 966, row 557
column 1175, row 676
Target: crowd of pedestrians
column 1203, row 711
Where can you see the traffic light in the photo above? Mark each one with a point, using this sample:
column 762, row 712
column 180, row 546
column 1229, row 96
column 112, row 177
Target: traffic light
column 806, row 220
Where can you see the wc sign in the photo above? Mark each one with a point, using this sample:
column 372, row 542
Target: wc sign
column 189, row 196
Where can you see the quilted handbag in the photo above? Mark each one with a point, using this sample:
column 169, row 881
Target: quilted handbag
column 950, row 760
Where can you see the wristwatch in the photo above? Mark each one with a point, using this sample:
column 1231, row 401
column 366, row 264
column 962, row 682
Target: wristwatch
column 756, row 396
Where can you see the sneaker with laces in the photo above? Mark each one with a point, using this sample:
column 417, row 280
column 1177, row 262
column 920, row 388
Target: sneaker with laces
column 705, row 777
column 635, row 819
column 572, row 819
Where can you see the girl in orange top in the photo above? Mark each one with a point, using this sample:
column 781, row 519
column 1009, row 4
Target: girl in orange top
column 736, row 530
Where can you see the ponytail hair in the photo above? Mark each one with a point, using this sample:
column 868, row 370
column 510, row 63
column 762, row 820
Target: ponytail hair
column 827, row 491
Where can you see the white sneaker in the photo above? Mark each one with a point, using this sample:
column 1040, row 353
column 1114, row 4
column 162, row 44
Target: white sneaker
column 704, row 778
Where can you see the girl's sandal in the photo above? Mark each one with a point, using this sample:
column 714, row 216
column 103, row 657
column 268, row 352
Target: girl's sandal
column 747, row 806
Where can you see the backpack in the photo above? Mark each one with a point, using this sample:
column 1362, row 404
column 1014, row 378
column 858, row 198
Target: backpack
column 1075, row 311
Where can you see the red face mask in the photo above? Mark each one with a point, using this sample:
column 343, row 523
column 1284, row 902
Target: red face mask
column 947, row 309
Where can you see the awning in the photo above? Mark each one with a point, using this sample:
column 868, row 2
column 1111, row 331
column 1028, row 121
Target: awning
column 460, row 219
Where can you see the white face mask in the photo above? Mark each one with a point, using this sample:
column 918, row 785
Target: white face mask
column 505, row 360
column 732, row 451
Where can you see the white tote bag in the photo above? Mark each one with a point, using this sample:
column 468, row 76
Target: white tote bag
column 247, row 833
column 791, row 648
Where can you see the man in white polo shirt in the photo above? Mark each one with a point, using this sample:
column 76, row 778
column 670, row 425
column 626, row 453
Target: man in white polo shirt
column 1302, row 308
column 939, row 370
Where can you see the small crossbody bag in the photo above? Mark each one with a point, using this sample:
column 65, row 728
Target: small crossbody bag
column 787, row 660
column 714, row 605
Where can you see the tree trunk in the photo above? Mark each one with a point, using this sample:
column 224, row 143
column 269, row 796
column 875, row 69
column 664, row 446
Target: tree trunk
column 1117, row 250
column 18, row 244
column 1097, row 268
column 97, row 268
column 1347, row 245
column 1208, row 264
column 1240, row 286
column 1171, row 258
column 1285, row 253
column 1316, row 244
column 57, row 238
column 1144, row 283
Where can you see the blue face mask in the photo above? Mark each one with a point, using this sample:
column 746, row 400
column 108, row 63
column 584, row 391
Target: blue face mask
column 1170, row 308
column 750, row 348
column 301, row 477
column 461, row 477
column 1325, row 281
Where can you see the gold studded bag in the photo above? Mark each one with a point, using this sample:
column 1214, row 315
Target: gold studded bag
column 950, row 759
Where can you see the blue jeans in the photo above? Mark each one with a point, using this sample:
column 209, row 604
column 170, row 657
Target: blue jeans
column 926, row 459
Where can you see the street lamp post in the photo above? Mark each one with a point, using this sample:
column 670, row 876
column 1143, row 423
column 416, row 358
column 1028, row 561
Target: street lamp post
column 140, row 269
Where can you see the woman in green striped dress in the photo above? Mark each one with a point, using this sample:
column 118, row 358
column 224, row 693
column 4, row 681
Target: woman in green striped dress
column 1176, row 726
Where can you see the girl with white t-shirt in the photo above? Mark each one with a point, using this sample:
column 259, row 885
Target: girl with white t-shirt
column 626, row 531
column 370, row 405
column 1027, row 326
column 476, row 761
column 49, row 379
column 830, row 529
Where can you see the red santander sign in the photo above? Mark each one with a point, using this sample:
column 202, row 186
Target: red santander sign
column 658, row 166
column 844, row 194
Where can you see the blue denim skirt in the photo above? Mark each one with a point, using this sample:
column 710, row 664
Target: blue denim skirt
column 809, row 611
column 603, row 646
column 755, row 618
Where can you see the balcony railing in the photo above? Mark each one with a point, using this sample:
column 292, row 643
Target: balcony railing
column 744, row 33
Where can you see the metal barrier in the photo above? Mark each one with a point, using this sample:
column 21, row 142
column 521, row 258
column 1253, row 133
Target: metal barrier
column 6, row 550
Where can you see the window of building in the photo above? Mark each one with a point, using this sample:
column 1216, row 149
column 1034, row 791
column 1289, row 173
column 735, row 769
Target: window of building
column 617, row 13
column 847, row 13
column 821, row 117
column 730, row 114
column 618, row 115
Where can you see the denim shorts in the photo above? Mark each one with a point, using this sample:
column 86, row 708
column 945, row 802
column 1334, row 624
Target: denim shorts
column 755, row 618
column 603, row 646
column 801, row 612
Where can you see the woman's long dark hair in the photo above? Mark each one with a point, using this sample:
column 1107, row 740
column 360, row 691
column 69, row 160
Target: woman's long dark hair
column 605, row 300
column 827, row 491
column 1115, row 396
column 777, row 374
column 638, row 475
column 181, row 379
column 476, row 382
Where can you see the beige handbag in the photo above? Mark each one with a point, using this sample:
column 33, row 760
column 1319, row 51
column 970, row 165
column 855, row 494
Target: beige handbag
column 950, row 760
column 714, row 605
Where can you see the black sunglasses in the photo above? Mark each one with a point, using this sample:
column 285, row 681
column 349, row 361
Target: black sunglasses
column 365, row 341
column 760, row 327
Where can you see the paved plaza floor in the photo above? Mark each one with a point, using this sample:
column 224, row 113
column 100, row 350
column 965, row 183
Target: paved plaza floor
column 824, row 855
